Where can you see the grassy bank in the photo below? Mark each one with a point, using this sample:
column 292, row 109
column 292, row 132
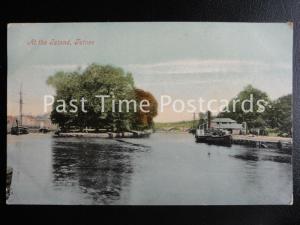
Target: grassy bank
column 174, row 126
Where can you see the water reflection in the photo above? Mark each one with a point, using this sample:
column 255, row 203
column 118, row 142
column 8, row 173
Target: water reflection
column 267, row 155
column 247, row 156
column 101, row 171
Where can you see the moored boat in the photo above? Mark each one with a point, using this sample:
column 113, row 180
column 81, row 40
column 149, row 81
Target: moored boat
column 216, row 139
column 205, row 134
column 44, row 130
column 17, row 130
column 225, row 140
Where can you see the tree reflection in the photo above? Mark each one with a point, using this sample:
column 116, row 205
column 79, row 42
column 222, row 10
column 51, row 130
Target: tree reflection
column 100, row 168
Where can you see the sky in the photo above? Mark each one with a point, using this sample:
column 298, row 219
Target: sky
column 181, row 59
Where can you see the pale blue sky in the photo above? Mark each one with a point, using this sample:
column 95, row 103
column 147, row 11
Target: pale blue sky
column 183, row 60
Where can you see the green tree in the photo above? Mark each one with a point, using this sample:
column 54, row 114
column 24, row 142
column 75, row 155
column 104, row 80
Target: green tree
column 279, row 116
column 94, row 80
column 66, row 84
column 276, row 116
column 255, row 118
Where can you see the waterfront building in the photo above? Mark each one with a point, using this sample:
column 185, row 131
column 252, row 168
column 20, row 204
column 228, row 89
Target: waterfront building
column 230, row 125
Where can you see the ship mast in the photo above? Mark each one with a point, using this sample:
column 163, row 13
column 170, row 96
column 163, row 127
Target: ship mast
column 21, row 105
column 194, row 118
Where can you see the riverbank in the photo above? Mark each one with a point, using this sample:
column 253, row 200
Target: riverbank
column 281, row 143
column 131, row 134
column 261, row 138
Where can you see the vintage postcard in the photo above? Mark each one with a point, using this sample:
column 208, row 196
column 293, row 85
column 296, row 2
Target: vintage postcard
column 161, row 113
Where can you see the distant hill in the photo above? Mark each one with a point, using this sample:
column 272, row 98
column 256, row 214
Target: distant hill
column 174, row 126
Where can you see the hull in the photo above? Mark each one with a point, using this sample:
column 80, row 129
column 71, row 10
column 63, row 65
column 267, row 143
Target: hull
column 44, row 130
column 201, row 139
column 19, row 130
column 225, row 140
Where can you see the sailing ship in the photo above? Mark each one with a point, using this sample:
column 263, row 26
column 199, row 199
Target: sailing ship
column 205, row 134
column 19, row 129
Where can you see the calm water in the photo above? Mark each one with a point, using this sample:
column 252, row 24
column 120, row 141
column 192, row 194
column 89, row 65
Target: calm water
column 163, row 169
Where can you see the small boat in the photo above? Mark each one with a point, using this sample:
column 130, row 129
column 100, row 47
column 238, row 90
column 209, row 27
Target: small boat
column 17, row 130
column 215, row 138
column 44, row 130
column 9, row 173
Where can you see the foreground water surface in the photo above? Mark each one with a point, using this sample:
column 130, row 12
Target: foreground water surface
column 161, row 170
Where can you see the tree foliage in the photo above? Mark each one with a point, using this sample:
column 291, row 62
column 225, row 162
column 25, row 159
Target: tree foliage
column 277, row 114
column 280, row 115
column 144, row 120
column 94, row 80
column 235, row 111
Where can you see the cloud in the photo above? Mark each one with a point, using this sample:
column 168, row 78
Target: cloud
column 195, row 66
column 59, row 66
column 182, row 82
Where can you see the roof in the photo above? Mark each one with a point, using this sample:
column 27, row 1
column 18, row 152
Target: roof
column 223, row 120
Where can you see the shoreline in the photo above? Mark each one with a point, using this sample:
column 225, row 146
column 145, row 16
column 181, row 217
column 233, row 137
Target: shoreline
column 131, row 134
column 261, row 138
column 281, row 143
column 266, row 142
column 127, row 134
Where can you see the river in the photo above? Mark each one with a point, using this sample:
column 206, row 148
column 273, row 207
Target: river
column 165, row 169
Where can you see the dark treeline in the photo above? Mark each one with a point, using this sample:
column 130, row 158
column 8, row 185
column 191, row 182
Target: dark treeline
column 275, row 118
